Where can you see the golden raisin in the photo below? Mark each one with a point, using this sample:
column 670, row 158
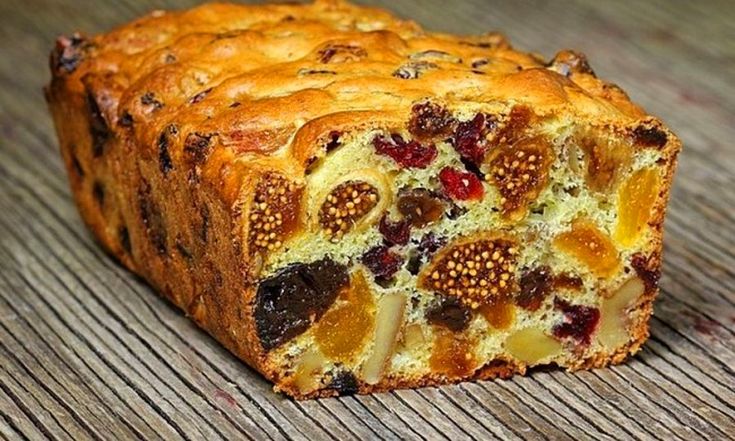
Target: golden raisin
column 452, row 354
column 520, row 171
column 343, row 331
column 476, row 271
column 499, row 313
column 635, row 201
column 274, row 213
column 588, row 244
column 345, row 205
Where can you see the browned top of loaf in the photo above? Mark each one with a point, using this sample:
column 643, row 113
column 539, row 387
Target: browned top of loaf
column 269, row 82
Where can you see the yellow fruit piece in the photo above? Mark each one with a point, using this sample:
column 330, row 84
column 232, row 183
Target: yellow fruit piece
column 452, row 355
column 635, row 201
column 500, row 314
column 613, row 330
column 343, row 331
column 531, row 345
column 589, row 245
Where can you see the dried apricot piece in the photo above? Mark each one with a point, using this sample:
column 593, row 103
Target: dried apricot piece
column 520, row 171
column 586, row 243
column 345, row 205
column 343, row 331
column 499, row 313
column 452, row 354
column 636, row 198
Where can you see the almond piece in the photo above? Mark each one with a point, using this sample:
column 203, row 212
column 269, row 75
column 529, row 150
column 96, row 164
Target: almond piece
column 531, row 345
column 613, row 326
column 387, row 324
column 309, row 366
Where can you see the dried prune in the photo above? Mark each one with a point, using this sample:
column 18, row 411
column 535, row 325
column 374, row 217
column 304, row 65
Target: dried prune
column 382, row 262
column 287, row 303
column 429, row 120
column 449, row 312
column 395, row 233
column 536, row 285
column 420, row 207
column 579, row 323
column 461, row 185
column 407, row 154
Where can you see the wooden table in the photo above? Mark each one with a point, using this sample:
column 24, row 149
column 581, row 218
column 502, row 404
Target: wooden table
column 88, row 351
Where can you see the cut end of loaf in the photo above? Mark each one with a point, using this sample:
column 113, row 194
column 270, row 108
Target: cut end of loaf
column 464, row 244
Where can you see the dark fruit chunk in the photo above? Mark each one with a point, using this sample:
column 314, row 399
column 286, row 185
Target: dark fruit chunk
column 429, row 120
column 382, row 262
column 428, row 245
column 68, row 53
column 341, row 53
column 124, row 238
column 536, row 285
column 650, row 136
column 461, row 185
column 579, row 321
column 152, row 217
column 98, row 192
column 344, row 383
column 647, row 268
column 334, row 141
column 98, row 128
column 407, row 154
column 469, row 138
column 420, row 207
column 395, row 233
column 287, row 303
column 164, row 157
column 450, row 313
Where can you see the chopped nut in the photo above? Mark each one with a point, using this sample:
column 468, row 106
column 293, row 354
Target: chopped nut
column 412, row 336
column 532, row 345
column 388, row 322
column 613, row 330
column 307, row 373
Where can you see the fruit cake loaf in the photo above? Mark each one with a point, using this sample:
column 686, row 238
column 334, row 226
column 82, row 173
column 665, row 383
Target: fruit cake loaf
column 350, row 203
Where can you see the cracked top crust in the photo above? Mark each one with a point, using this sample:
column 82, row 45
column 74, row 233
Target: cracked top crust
column 269, row 83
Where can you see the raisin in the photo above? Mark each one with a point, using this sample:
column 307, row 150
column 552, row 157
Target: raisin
column 650, row 136
column 345, row 383
column 469, row 137
column 182, row 249
column 420, row 207
column 69, row 52
column 345, row 206
column 98, row 128
column 450, row 313
column 152, row 218
column 394, row 233
column 334, row 141
column 98, row 192
column 382, row 262
column 287, row 303
column 430, row 120
column 149, row 99
column 341, row 53
column 305, row 72
column 77, row 166
column 164, row 156
column 413, row 70
column 200, row 96
column 197, row 147
column 126, row 119
column 461, row 185
column 480, row 62
column 536, row 285
column 579, row 321
column 123, row 236
column 407, row 154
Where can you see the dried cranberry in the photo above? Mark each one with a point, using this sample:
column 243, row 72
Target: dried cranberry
column 407, row 154
column 395, row 233
column 469, row 136
column 382, row 262
column 429, row 120
column 450, row 313
column 461, row 185
column 535, row 286
column 579, row 321
column 420, row 206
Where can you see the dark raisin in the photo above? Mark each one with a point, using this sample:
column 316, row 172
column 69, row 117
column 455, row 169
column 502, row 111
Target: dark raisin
column 579, row 321
column 429, row 120
column 98, row 128
column 650, row 136
column 152, row 218
column 647, row 269
column 473, row 168
column 169, row 58
column 382, row 262
column 98, row 192
column 77, row 166
column 149, row 99
column 200, row 96
column 345, row 383
column 407, row 154
column 287, row 303
column 235, row 104
column 304, row 72
column 413, row 70
column 341, row 53
column 126, row 119
column 394, row 233
column 420, row 206
column 69, row 52
column 123, row 236
column 536, row 285
column 449, row 312
column 479, row 63
column 413, row 266
column 196, row 148
column 469, row 137
column 164, row 157
column 334, row 141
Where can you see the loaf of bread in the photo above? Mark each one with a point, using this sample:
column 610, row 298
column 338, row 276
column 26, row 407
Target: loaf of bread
column 350, row 203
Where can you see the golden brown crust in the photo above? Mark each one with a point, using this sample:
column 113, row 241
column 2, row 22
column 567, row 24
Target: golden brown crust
column 168, row 124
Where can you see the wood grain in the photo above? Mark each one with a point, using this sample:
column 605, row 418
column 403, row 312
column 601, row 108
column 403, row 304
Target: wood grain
column 88, row 351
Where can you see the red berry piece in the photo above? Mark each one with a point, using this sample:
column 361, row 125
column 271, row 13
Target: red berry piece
column 469, row 136
column 382, row 262
column 395, row 233
column 461, row 185
column 579, row 321
column 407, row 154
